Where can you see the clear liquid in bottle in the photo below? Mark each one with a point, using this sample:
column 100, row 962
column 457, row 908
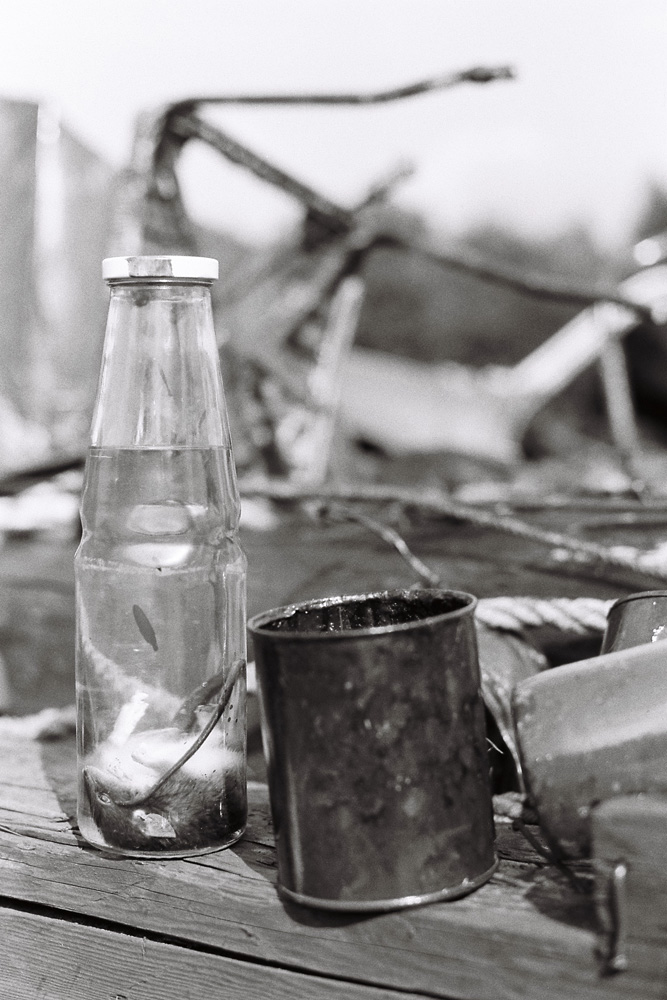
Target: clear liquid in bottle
column 161, row 613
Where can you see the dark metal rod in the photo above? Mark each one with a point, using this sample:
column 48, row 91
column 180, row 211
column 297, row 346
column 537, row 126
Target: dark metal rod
column 193, row 127
column 477, row 74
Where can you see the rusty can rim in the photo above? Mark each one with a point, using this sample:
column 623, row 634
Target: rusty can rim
column 257, row 625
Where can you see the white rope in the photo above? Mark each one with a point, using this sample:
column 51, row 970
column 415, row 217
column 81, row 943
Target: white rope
column 578, row 615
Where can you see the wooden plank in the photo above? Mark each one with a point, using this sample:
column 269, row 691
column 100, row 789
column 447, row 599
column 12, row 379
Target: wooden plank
column 479, row 953
column 525, row 933
column 49, row 957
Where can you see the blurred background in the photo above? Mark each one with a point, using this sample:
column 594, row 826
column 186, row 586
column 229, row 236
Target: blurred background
column 559, row 171
column 577, row 140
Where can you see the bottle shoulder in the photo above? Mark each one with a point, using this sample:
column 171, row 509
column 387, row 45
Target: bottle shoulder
column 160, row 381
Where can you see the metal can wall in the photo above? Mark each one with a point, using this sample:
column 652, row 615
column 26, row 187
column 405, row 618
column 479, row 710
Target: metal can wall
column 375, row 742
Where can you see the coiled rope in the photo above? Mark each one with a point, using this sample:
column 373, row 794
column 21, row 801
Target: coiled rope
column 576, row 615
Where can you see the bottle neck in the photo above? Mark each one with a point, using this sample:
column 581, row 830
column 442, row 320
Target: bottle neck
column 160, row 382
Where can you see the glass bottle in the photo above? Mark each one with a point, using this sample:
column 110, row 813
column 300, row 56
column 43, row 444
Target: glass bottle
column 160, row 578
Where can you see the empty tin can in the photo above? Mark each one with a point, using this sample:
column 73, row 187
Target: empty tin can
column 374, row 735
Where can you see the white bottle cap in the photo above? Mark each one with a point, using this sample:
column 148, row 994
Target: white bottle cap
column 162, row 266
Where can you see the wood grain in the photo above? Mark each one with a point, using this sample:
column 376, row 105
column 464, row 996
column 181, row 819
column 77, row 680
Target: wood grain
column 526, row 933
column 62, row 960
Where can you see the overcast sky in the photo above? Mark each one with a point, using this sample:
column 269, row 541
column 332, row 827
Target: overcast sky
column 578, row 135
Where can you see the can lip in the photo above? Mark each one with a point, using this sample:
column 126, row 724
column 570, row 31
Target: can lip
column 258, row 624
column 160, row 266
column 640, row 595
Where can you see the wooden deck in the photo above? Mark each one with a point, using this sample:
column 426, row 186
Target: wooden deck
column 77, row 924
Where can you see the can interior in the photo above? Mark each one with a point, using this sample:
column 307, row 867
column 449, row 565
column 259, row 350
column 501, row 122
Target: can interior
column 373, row 611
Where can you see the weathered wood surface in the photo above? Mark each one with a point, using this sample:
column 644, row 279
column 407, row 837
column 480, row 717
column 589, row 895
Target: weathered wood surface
column 54, row 957
column 214, row 925
column 77, row 924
